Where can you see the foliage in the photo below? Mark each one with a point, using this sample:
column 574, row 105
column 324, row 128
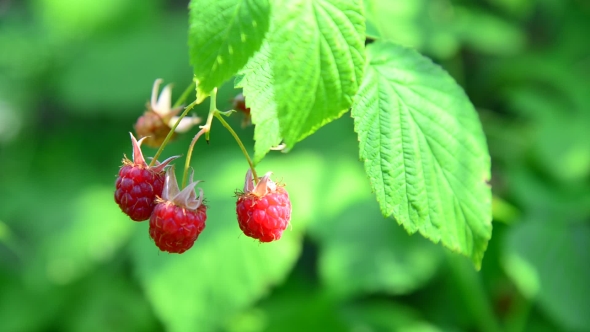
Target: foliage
column 75, row 75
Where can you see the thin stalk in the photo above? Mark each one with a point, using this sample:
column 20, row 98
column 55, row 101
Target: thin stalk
column 184, row 95
column 189, row 155
column 212, row 110
column 237, row 138
column 186, row 110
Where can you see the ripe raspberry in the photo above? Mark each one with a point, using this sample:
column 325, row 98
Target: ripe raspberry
column 239, row 104
column 179, row 217
column 138, row 184
column 159, row 118
column 263, row 211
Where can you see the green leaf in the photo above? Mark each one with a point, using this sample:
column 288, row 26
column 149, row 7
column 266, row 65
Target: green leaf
column 317, row 58
column 424, row 150
column 223, row 35
column 549, row 263
column 257, row 83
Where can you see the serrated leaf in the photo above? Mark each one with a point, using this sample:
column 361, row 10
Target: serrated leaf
column 317, row 59
column 223, row 35
column 238, row 81
column 424, row 150
column 258, row 88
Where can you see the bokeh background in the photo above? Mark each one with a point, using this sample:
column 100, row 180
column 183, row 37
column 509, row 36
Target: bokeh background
column 75, row 75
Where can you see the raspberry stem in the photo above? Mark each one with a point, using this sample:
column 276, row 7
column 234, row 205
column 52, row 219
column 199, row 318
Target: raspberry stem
column 212, row 110
column 237, row 138
column 189, row 155
column 184, row 95
column 204, row 130
column 186, row 110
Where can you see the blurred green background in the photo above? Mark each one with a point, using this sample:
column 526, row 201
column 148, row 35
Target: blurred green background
column 76, row 74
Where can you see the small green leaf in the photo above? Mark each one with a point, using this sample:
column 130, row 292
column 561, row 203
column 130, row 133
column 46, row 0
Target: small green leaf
column 317, row 59
column 257, row 81
column 424, row 150
column 223, row 35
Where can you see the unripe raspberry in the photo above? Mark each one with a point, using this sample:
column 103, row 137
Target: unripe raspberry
column 151, row 127
column 159, row 118
column 179, row 216
column 264, row 210
column 138, row 184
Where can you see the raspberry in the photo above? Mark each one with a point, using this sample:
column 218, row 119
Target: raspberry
column 179, row 216
column 138, row 184
column 263, row 211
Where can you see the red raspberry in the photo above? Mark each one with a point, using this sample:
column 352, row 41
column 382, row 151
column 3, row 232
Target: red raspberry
column 138, row 184
column 263, row 211
column 179, row 217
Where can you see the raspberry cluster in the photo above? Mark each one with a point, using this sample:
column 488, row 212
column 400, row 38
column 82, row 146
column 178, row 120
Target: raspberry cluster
column 177, row 216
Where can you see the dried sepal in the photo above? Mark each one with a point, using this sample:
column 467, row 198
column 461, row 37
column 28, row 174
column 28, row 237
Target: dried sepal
column 186, row 197
column 264, row 186
column 139, row 160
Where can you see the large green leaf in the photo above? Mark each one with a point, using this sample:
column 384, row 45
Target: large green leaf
column 549, row 263
column 424, row 150
column 317, row 58
column 225, row 271
column 257, row 82
column 223, row 35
